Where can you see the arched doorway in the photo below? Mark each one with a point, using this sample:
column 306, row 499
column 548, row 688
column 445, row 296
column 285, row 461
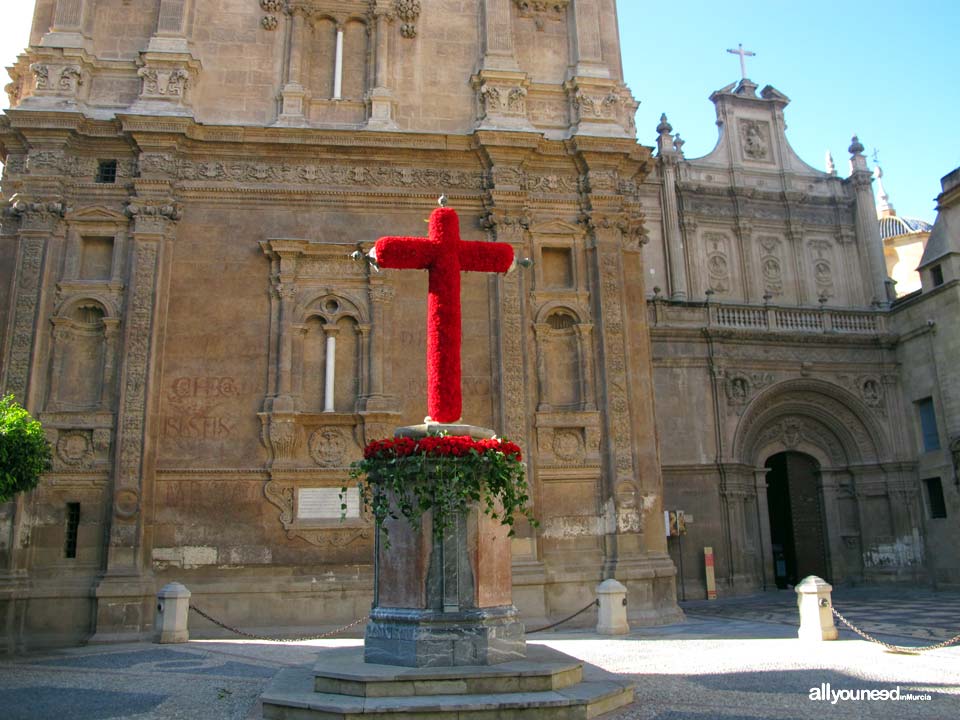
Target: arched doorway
column 796, row 518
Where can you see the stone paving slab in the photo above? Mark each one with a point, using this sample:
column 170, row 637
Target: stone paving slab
column 720, row 665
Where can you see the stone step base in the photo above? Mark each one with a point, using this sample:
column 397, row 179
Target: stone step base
column 342, row 671
column 291, row 696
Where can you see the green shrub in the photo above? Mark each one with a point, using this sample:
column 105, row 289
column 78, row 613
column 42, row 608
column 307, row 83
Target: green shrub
column 24, row 451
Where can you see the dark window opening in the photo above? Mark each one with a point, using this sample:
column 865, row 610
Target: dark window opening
column 936, row 274
column 73, row 525
column 928, row 425
column 107, row 171
column 938, row 506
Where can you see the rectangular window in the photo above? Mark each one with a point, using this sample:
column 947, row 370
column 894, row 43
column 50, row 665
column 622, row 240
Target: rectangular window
column 928, row 425
column 73, row 525
column 107, row 171
column 936, row 274
column 935, row 501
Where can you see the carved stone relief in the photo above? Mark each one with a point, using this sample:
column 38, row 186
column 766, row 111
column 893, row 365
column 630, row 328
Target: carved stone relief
column 755, row 140
column 771, row 265
column 821, row 259
column 717, row 261
column 542, row 11
column 741, row 386
column 328, row 447
column 408, row 12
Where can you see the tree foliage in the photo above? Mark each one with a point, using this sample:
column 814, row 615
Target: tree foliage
column 24, row 451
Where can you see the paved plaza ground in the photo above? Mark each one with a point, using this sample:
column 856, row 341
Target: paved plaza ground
column 733, row 659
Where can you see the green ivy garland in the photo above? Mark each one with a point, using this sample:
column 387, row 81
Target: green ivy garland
column 403, row 477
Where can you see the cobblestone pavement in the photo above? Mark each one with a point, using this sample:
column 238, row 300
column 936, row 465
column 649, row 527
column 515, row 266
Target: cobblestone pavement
column 733, row 659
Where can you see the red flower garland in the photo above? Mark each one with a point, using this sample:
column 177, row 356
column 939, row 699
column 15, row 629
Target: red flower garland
column 439, row 446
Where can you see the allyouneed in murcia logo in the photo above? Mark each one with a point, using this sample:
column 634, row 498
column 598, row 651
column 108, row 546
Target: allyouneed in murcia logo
column 826, row 693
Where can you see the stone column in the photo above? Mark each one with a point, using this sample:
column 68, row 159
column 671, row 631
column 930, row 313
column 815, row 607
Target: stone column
column 868, row 229
column 329, row 378
column 61, row 336
column 338, row 64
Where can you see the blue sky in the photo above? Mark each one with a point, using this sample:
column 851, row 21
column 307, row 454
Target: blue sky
column 886, row 70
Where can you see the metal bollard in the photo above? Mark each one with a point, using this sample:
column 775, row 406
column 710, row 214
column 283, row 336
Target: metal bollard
column 173, row 606
column 612, row 614
column 816, row 616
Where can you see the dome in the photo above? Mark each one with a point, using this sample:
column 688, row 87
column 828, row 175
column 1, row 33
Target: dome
column 894, row 226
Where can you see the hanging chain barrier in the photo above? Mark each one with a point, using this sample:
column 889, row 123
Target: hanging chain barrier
column 252, row 636
column 905, row 649
column 356, row 622
column 569, row 617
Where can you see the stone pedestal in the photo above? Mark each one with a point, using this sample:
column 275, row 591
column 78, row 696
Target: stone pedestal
column 441, row 602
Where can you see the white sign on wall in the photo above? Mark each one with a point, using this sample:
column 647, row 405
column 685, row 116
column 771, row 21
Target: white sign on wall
column 324, row 503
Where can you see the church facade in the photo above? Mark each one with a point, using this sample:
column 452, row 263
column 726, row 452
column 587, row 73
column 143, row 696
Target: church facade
column 184, row 183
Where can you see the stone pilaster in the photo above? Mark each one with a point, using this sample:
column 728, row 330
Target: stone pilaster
column 380, row 105
column 124, row 594
column 69, row 24
column 38, row 221
column 293, row 95
column 167, row 69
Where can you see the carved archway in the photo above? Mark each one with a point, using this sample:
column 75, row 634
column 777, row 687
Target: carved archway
column 811, row 416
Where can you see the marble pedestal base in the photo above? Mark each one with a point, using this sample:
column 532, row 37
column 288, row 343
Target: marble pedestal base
column 428, row 638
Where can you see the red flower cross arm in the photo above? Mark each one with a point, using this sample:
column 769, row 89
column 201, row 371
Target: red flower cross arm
column 405, row 253
column 485, row 256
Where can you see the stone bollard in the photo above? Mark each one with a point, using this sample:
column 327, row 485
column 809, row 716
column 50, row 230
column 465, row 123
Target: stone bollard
column 816, row 616
column 612, row 614
column 173, row 606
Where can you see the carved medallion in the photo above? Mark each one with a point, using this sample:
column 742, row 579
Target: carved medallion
column 74, row 448
column 328, row 446
column 568, row 445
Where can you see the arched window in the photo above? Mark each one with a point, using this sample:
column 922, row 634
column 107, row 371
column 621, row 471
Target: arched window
column 330, row 370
